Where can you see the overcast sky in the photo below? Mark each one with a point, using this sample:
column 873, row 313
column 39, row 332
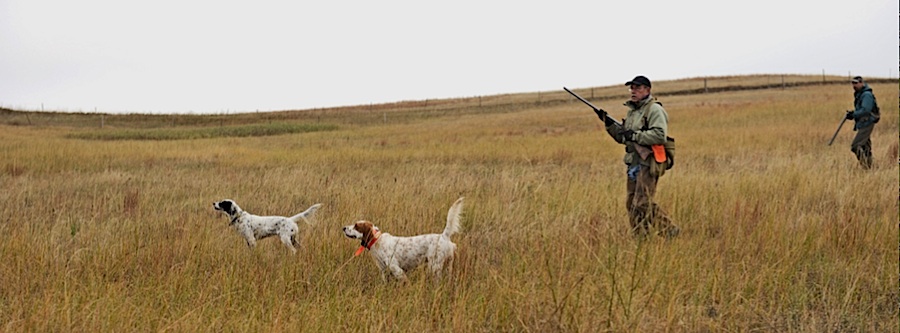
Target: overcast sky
column 204, row 56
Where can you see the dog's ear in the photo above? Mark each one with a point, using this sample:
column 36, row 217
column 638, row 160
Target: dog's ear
column 365, row 228
column 227, row 207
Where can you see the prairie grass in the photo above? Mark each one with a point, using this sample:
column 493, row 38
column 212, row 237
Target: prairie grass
column 780, row 231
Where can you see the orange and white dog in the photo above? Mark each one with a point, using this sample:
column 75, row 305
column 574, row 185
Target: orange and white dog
column 399, row 255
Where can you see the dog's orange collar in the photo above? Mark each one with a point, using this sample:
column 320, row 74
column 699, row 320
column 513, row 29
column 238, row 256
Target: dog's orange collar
column 367, row 246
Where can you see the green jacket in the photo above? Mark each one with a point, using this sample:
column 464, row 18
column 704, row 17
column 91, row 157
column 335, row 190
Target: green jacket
column 865, row 113
column 650, row 123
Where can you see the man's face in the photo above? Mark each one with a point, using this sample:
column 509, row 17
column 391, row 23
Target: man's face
column 857, row 85
column 639, row 92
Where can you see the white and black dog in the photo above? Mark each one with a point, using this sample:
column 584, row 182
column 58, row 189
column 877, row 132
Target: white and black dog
column 254, row 227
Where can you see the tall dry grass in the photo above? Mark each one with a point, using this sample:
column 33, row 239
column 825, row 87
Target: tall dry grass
column 780, row 231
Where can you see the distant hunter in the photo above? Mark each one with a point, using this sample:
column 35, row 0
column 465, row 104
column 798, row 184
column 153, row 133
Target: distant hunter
column 865, row 114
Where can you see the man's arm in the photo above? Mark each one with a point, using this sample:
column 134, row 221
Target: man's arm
column 656, row 130
column 614, row 130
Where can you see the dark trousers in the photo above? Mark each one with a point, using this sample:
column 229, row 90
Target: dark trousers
column 862, row 146
column 643, row 213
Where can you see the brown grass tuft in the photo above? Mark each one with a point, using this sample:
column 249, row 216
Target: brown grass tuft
column 14, row 170
column 893, row 152
column 131, row 202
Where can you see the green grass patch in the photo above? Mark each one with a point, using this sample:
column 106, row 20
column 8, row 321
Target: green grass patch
column 160, row 134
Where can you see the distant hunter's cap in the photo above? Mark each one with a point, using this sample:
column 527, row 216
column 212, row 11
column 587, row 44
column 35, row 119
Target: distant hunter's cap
column 857, row 79
column 640, row 80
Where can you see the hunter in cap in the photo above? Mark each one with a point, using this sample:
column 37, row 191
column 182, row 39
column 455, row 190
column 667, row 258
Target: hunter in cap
column 865, row 113
column 644, row 133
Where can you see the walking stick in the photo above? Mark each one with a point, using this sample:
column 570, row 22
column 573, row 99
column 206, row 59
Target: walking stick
column 836, row 132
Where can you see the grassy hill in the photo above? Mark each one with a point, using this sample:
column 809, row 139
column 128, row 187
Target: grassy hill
column 108, row 221
column 415, row 110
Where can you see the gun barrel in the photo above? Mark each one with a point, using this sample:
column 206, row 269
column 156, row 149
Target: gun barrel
column 836, row 132
column 596, row 109
column 581, row 99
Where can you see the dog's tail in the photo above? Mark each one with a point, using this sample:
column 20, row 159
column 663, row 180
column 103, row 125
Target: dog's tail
column 453, row 218
column 307, row 213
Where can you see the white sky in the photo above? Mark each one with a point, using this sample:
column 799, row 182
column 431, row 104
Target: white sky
column 205, row 56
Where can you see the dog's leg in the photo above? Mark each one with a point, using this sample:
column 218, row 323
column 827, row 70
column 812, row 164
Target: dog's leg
column 438, row 265
column 382, row 268
column 289, row 241
column 251, row 240
column 446, row 264
column 448, row 267
column 398, row 273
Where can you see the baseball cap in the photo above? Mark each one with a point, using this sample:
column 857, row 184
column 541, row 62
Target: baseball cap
column 857, row 79
column 640, row 80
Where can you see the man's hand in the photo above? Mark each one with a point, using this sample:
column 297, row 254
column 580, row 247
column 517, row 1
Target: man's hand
column 604, row 116
column 849, row 115
column 627, row 134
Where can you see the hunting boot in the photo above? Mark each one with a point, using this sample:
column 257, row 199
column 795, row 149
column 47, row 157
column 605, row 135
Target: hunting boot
column 864, row 155
column 866, row 160
column 640, row 224
column 662, row 223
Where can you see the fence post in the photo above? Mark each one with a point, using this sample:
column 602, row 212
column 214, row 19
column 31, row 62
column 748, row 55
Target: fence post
column 782, row 81
column 705, row 87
